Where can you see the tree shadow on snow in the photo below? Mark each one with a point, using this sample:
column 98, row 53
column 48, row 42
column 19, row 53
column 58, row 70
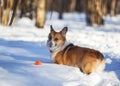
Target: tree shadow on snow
column 26, row 51
column 112, row 64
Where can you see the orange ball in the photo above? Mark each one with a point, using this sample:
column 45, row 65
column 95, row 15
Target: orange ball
column 38, row 63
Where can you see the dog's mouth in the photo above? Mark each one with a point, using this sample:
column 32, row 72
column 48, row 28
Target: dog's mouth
column 52, row 46
column 51, row 51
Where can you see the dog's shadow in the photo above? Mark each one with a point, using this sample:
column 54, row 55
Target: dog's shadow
column 112, row 64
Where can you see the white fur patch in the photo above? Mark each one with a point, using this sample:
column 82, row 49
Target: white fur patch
column 100, row 66
column 55, row 51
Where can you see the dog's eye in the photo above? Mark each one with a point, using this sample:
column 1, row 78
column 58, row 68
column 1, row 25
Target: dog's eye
column 49, row 37
column 56, row 39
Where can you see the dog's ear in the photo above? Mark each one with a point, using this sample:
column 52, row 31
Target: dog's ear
column 52, row 30
column 64, row 31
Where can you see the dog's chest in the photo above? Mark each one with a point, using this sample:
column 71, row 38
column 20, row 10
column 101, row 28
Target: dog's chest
column 60, row 52
column 53, row 54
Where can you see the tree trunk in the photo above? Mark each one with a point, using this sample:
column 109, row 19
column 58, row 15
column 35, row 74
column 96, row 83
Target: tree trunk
column 104, row 7
column 7, row 14
column 40, row 14
column 1, row 10
column 26, row 8
column 61, row 5
column 112, row 11
column 94, row 13
column 15, row 7
column 117, row 10
column 98, row 4
column 72, row 5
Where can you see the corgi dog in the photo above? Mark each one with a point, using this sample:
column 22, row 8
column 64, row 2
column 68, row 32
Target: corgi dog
column 62, row 52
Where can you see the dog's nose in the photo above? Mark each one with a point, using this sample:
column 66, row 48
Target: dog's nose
column 50, row 44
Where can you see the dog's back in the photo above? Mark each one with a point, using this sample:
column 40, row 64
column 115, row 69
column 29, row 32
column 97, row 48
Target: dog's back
column 86, row 59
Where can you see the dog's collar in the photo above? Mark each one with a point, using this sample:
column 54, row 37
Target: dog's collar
column 70, row 45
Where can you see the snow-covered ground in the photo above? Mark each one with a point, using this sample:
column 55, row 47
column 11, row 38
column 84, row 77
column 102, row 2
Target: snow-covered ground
column 22, row 44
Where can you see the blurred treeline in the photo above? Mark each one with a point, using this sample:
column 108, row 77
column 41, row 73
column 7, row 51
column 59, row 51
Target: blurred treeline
column 95, row 10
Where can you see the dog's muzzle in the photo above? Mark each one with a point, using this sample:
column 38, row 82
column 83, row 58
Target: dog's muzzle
column 49, row 44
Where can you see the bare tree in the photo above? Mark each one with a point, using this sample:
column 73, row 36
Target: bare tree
column 6, row 16
column 61, row 9
column 117, row 10
column 94, row 12
column 104, row 7
column 15, row 7
column 72, row 5
column 1, row 10
column 113, row 4
column 26, row 8
column 40, row 14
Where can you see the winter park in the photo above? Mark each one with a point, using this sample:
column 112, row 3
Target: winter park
column 26, row 57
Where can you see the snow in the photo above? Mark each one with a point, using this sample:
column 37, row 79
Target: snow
column 22, row 44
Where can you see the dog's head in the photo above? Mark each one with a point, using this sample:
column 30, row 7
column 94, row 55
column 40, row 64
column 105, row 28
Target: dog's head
column 56, row 39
